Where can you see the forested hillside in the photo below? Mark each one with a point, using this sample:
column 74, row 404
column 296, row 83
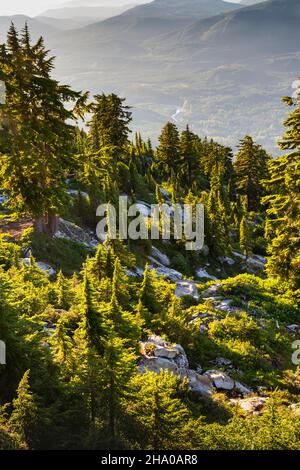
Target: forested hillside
column 141, row 344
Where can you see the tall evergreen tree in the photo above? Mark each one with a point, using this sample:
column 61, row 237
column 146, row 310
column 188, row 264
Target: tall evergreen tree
column 159, row 413
column 245, row 237
column 218, row 212
column 24, row 417
column 283, row 224
column 167, row 155
column 37, row 156
column 118, row 366
column 109, row 126
column 251, row 168
column 189, row 158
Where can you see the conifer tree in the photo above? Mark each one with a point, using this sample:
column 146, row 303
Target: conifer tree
column 189, row 158
column 109, row 126
column 245, row 237
column 167, row 155
column 38, row 154
column 62, row 292
column 159, row 413
column 147, row 295
column 93, row 325
column 283, row 224
column 251, row 168
column 24, row 418
column 118, row 365
column 218, row 212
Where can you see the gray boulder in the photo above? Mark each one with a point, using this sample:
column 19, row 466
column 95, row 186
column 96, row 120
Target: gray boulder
column 167, row 353
column 161, row 257
column 252, row 405
column 185, row 287
column 200, row 383
column 220, row 379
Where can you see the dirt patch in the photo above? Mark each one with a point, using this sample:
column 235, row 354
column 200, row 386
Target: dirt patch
column 15, row 228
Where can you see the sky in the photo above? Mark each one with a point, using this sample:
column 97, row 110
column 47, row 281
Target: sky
column 27, row 7
column 34, row 7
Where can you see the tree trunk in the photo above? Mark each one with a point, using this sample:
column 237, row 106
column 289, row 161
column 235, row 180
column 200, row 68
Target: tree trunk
column 47, row 223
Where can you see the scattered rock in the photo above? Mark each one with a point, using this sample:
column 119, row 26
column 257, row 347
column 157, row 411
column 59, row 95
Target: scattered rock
column 46, row 268
column 157, row 340
column 165, row 352
column 185, row 287
column 26, row 251
column 239, row 255
column 203, row 328
column 293, row 328
column 222, row 362
column 202, row 273
column 295, row 409
column 251, row 405
column 161, row 257
column 172, row 358
column 158, row 354
column 227, row 259
column 200, row 383
column 169, row 273
column 213, row 289
column 76, row 192
column 220, row 379
column 256, row 260
column 3, row 199
column 224, row 305
column 139, row 272
column 206, row 319
column 156, row 364
column 242, row 389
column 70, row 231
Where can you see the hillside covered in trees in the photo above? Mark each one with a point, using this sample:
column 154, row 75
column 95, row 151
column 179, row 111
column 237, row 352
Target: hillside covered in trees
column 141, row 344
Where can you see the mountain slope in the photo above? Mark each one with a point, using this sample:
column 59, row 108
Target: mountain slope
column 271, row 26
column 223, row 74
column 125, row 33
column 191, row 9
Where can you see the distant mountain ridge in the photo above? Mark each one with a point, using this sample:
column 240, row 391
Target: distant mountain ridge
column 271, row 26
column 147, row 21
column 223, row 73
column 180, row 9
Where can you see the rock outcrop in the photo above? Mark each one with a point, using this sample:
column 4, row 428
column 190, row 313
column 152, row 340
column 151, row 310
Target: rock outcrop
column 202, row 273
column 161, row 257
column 73, row 232
column 185, row 287
column 46, row 268
column 158, row 354
column 169, row 273
column 252, row 405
